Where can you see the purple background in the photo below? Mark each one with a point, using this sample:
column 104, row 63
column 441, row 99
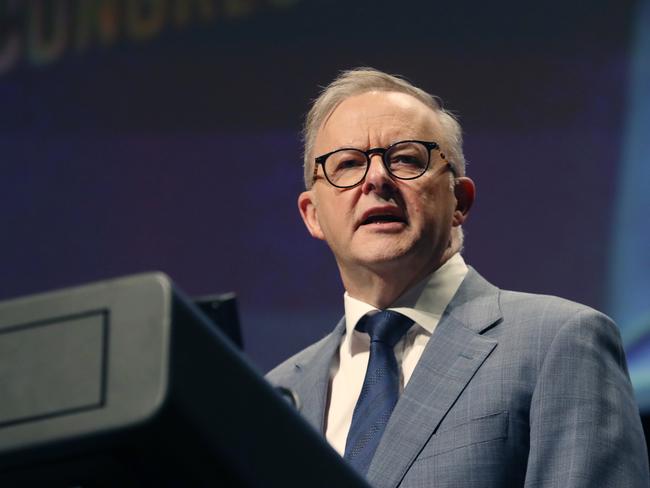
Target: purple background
column 182, row 153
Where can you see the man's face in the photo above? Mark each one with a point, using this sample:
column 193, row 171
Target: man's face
column 384, row 223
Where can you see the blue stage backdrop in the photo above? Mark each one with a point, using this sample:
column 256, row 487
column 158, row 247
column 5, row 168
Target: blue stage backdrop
column 164, row 135
column 629, row 291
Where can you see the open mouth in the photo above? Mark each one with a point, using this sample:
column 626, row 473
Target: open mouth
column 382, row 219
column 389, row 217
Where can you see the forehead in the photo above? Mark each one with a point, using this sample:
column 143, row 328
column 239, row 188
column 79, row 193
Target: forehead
column 375, row 119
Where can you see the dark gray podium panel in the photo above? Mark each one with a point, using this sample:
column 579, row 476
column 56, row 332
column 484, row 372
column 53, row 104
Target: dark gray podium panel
column 126, row 383
column 83, row 360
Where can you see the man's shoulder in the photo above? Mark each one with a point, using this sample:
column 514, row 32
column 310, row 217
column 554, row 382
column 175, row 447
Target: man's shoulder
column 288, row 368
column 548, row 316
column 545, row 307
column 543, row 315
column 541, row 304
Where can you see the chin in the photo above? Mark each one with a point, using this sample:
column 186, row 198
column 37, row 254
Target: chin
column 406, row 255
column 384, row 255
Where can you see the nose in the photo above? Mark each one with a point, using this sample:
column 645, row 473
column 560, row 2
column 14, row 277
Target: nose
column 378, row 179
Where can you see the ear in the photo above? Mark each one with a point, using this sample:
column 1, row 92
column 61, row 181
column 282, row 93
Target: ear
column 309, row 214
column 465, row 193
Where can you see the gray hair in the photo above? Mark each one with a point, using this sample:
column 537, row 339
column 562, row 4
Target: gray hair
column 362, row 80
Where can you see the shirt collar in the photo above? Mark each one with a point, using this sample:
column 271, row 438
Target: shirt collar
column 424, row 303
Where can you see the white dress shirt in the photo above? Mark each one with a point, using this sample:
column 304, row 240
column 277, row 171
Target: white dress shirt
column 424, row 304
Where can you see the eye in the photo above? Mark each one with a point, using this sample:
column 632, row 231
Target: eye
column 350, row 163
column 406, row 160
column 346, row 161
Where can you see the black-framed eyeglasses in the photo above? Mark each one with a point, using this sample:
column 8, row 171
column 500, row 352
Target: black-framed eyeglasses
column 405, row 160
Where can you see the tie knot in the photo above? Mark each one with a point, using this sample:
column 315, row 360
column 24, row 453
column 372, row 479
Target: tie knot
column 385, row 326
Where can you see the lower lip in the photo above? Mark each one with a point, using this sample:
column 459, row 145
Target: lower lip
column 384, row 226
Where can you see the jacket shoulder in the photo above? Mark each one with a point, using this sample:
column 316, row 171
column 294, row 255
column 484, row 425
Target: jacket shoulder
column 284, row 371
column 550, row 321
column 547, row 308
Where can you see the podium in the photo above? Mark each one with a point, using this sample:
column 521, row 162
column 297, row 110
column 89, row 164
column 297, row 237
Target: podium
column 126, row 383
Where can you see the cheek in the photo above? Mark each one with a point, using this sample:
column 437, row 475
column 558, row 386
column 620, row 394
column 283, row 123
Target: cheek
column 424, row 206
column 432, row 212
column 332, row 219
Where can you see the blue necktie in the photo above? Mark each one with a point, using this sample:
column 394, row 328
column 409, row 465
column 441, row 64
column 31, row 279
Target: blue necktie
column 380, row 387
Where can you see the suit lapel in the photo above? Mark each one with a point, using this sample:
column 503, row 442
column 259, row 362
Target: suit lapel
column 313, row 377
column 453, row 355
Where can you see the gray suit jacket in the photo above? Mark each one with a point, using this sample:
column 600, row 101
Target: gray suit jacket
column 512, row 390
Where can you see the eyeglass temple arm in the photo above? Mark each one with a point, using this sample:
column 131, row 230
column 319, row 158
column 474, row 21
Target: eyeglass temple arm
column 313, row 177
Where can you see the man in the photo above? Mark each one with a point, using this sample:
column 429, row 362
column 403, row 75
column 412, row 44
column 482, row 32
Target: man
column 435, row 377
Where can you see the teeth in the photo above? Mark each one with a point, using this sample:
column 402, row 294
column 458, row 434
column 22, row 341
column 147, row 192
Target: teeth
column 382, row 218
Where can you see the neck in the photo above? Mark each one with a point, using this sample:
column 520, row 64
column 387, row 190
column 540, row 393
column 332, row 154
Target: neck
column 381, row 285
